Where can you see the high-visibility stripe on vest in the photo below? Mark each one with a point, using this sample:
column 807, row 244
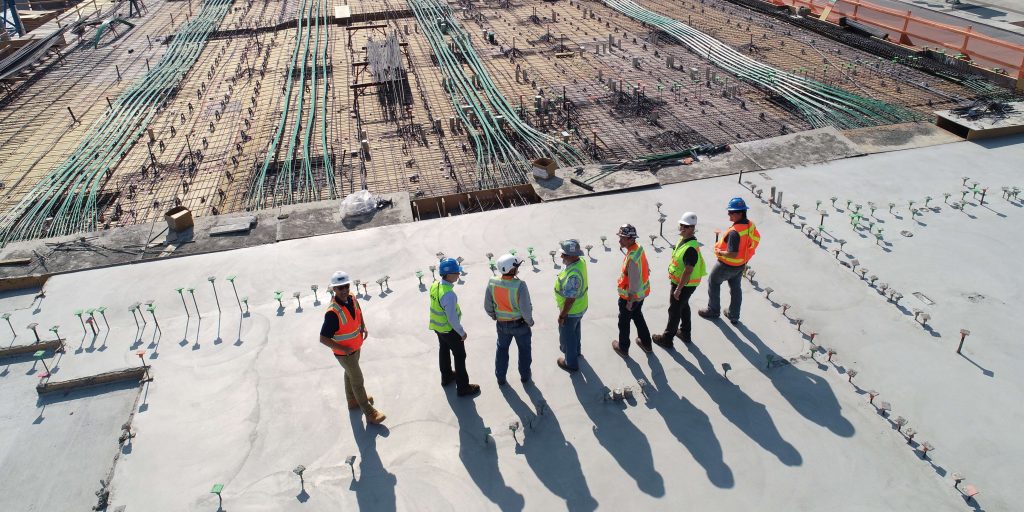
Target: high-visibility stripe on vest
column 636, row 254
column 349, row 334
column 749, row 240
column 578, row 269
column 505, row 293
column 676, row 266
column 438, row 318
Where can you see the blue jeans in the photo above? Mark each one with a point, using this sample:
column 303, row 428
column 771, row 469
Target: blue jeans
column 734, row 276
column 522, row 334
column 569, row 341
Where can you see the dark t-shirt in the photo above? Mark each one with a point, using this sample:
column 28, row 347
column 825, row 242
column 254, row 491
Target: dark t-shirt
column 732, row 240
column 331, row 320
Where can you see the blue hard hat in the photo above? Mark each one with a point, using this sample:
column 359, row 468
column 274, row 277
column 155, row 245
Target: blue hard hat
column 449, row 266
column 737, row 204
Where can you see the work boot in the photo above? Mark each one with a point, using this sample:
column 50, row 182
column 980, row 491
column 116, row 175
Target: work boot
column 562, row 364
column 353, row 404
column 375, row 417
column 682, row 337
column 662, row 340
column 618, row 350
column 469, row 390
column 707, row 313
column 644, row 345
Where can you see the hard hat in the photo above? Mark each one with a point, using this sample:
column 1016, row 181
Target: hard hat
column 340, row 278
column 507, row 262
column 688, row 219
column 570, row 247
column 737, row 204
column 627, row 230
column 449, row 266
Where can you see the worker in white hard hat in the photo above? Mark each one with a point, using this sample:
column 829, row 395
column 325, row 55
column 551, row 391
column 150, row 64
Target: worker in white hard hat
column 507, row 302
column 343, row 331
column 684, row 272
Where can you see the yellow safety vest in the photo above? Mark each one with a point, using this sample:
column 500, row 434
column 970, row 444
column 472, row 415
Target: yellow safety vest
column 578, row 269
column 676, row 267
column 438, row 318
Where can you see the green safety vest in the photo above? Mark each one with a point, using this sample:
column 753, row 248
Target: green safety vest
column 438, row 319
column 576, row 269
column 676, row 267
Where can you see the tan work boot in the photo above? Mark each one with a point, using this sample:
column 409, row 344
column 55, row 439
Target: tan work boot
column 375, row 417
column 353, row 404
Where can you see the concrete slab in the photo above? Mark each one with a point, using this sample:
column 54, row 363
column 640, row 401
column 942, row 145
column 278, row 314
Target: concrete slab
column 152, row 241
column 241, row 400
column 55, row 450
column 598, row 179
column 804, row 148
column 984, row 127
column 879, row 139
column 708, row 167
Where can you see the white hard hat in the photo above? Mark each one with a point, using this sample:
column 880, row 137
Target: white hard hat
column 340, row 278
column 506, row 262
column 688, row 219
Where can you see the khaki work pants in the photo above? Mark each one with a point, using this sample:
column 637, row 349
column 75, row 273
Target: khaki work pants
column 354, row 389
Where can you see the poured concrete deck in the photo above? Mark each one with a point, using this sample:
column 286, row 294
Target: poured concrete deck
column 241, row 400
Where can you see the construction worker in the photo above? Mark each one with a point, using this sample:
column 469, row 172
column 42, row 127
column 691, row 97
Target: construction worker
column 684, row 272
column 507, row 302
column 634, row 286
column 445, row 320
column 343, row 332
column 571, row 287
column 733, row 250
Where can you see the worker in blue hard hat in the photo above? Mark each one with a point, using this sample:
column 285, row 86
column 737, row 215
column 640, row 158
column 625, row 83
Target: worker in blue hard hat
column 446, row 321
column 733, row 250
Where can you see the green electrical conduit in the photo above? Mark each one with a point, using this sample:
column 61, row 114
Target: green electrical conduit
column 822, row 105
column 501, row 152
column 295, row 179
column 65, row 200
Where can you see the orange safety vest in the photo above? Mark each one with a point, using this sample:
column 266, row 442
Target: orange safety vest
column 749, row 240
column 505, row 293
column 637, row 255
column 349, row 334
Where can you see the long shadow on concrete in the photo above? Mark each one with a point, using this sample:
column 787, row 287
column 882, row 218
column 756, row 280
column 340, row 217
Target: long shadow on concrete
column 806, row 392
column 690, row 426
column 552, row 458
column 480, row 456
column 375, row 487
column 616, row 433
column 748, row 415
